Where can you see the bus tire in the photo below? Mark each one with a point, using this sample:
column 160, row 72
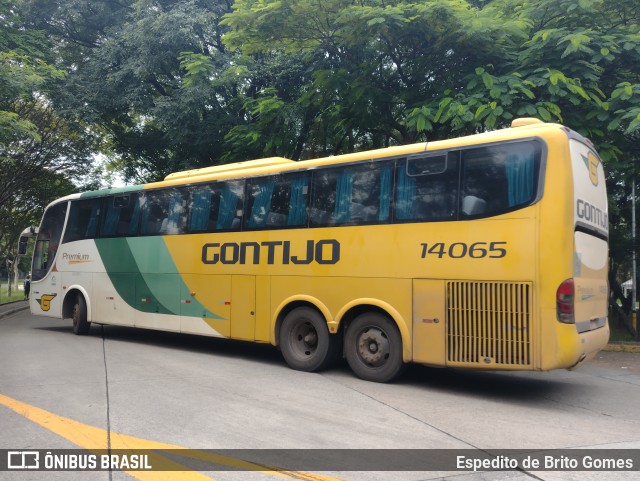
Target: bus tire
column 373, row 347
column 305, row 341
column 79, row 316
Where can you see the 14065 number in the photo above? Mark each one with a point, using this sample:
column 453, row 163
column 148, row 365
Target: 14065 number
column 458, row 250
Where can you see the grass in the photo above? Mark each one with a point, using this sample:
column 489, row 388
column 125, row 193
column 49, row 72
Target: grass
column 620, row 335
column 15, row 295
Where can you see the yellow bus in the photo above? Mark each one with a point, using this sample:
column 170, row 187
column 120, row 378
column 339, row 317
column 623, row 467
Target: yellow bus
column 488, row 251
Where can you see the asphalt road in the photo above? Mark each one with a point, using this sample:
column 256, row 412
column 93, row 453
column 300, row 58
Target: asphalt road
column 121, row 387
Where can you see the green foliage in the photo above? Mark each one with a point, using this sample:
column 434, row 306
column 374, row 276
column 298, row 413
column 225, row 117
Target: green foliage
column 40, row 149
column 150, row 78
column 24, row 80
column 26, row 209
column 198, row 68
column 408, row 69
column 180, row 84
column 379, row 66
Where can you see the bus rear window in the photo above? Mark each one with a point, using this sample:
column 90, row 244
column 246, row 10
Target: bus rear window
column 499, row 178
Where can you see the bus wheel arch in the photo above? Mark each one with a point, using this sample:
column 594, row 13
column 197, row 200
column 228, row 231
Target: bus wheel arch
column 292, row 303
column 361, row 306
column 374, row 345
column 76, row 307
column 302, row 333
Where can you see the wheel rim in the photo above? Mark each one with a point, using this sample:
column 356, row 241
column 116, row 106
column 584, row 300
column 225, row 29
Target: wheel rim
column 304, row 340
column 373, row 347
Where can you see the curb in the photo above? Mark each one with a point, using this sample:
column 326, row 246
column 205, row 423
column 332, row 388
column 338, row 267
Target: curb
column 13, row 310
column 623, row 347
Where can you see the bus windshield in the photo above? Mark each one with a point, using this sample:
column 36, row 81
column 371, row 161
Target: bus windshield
column 48, row 240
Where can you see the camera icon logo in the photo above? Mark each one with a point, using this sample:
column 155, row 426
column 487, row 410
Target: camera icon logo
column 23, row 460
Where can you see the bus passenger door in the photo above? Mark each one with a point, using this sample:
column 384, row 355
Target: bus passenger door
column 243, row 307
column 429, row 322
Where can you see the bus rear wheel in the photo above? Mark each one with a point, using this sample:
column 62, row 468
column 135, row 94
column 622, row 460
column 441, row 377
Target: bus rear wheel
column 79, row 316
column 305, row 341
column 373, row 347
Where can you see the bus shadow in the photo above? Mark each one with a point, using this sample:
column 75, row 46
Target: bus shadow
column 214, row 346
column 515, row 387
column 231, row 348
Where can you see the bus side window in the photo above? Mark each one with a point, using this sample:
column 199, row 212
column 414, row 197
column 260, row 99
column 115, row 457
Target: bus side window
column 279, row 201
column 164, row 212
column 298, row 200
column 83, row 220
column 499, row 178
column 352, row 195
column 323, row 197
column 215, row 207
column 204, row 208
column 121, row 217
column 371, row 194
column 426, row 188
column 176, row 212
column 153, row 214
column 259, row 193
column 230, row 206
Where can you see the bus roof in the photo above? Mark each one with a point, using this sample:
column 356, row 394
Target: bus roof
column 233, row 167
column 272, row 165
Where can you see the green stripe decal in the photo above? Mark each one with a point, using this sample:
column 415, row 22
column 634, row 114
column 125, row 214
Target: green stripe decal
column 112, row 191
column 143, row 273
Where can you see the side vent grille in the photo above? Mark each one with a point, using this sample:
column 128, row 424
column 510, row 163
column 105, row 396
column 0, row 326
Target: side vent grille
column 489, row 324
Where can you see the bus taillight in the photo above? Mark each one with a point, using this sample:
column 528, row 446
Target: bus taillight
column 564, row 302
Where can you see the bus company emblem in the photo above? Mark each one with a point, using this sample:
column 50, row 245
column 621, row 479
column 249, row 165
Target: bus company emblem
column 592, row 214
column 326, row 251
column 45, row 301
column 592, row 162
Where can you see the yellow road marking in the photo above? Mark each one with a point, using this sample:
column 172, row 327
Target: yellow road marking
column 92, row 438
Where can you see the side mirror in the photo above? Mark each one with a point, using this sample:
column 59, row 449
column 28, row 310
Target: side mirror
column 22, row 246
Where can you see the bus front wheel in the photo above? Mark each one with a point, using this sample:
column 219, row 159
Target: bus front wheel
column 79, row 316
column 373, row 347
column 305, row 341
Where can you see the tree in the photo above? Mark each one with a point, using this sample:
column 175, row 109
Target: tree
column 39, row 148
column 128, row 76
column 380, row 69
column 26, row 210
column 408, row 69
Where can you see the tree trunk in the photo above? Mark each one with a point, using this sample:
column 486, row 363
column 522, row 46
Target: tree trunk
column 16, row 274
column 8, row 262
